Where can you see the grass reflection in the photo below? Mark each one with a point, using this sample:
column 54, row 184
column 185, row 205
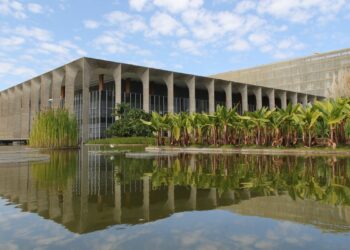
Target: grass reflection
column 57, row 172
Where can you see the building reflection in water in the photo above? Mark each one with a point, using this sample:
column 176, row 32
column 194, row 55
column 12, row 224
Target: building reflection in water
column 85, row 191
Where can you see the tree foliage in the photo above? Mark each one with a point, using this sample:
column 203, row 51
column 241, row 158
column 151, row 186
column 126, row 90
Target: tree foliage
column 128, row 122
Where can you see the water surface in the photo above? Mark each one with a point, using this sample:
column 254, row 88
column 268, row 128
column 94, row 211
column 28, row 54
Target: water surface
column 87, row 200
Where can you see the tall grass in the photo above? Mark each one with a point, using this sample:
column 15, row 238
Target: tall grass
column 54, row 129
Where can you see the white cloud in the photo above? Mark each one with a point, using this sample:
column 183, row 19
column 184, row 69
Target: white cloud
column 245, row 6
column 126, row 22
column 137, row 5
column 266, row 48
column 258, row 38
column 91, row 24
column 12, row 8
column 164, row 24
column 301, row 11
column 35, row 8
column 112, row 42
column 117, row 16
column 290, row 43
column 32, row 32
column 12, row 41
column 239, row 45
column 189, row 46
column 136, row 26
column 176, row 6
column 153, row 64
column 244, row 240
column 7, row 68
column 211, row 26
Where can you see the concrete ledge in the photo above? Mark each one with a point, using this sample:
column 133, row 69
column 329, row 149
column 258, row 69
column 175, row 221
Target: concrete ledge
column 152, row 154
column 248, row 151
column 13, row 154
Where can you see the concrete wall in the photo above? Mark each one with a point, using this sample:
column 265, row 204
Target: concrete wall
column 326, row 74
column 20, row 104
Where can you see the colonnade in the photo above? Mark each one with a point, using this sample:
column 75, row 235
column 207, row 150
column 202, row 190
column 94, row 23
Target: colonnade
column 20, row 104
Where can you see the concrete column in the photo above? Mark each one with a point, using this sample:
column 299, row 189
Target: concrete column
column 117, row 202
column 228, row 94
column 45, row 85
column 294, row 97
column 84, row 188
column 117, row 76
column 304, row 100
column 57, row 79
column 271, row 94
column 54, row 205
column 213, row 196
column 34, row 99
column 67, row 206
column 43, row 201
column 4, row 108
column 244, row 93
column 18, row 112
column 7, row 112
column 144, row 76
column 171, row 197
column 86, row 100
column 211, row 96
column 258, row 97
column 169, row 81
column 146, row 193
column 191, row 84
column 1, row 115
column 23, row 184
column 283, row 97
column 25, row 110
column 193, row 197
column 10, row 120
column 71, row 74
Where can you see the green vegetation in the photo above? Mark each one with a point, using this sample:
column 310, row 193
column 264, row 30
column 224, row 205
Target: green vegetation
column 128, row 122
column 323, row 179
column 124, row 140
column 326, row 123
column 61, row 168
column 54, row 129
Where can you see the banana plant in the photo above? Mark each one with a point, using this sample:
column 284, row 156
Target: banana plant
column 158, row 123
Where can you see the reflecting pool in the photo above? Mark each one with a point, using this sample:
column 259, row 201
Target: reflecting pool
column 89, row 199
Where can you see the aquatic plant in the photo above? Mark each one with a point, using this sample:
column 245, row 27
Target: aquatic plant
column 54, row 129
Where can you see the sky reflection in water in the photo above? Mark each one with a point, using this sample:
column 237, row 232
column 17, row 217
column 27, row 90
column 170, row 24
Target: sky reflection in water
column 86, row 200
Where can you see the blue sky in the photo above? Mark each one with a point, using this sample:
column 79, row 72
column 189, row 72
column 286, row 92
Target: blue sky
column 192, row 36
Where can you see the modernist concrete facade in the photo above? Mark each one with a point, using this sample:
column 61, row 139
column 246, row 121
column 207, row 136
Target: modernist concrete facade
column 324, row 74
column 90, row 89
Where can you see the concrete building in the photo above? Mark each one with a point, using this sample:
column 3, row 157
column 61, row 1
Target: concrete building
column 90, row 89
column 323, row 74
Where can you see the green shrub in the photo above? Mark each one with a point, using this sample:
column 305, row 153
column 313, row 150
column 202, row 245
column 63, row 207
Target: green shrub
column 129, row 123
